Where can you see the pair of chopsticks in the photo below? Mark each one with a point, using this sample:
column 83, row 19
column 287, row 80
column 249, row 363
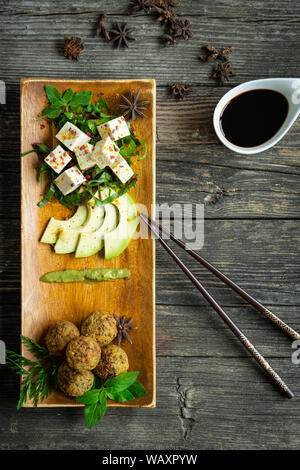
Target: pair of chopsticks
column 156, row 229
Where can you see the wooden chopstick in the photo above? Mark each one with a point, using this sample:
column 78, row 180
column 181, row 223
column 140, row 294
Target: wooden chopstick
column 265, row 311
column 238, row 333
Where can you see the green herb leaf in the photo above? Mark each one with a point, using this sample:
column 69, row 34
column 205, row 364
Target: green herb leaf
column 81, row 98
column 137, row 389
column 94, row 413
column 125, row 395
column 120, row 382
column 67, row 96
column 52, row 112
column 89, row 398
column 47, row 196
column 53, row 95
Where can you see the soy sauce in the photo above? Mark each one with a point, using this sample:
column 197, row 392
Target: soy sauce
column 253, row 117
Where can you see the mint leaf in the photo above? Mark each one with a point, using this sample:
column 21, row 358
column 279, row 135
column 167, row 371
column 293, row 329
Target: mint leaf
column 94, row 413
column 89, row 398
column 137, row 389
column 81, row 98
column 126, row 395
column 68, row 95
column 53, row 95
column 120, row 382
column 52, row 112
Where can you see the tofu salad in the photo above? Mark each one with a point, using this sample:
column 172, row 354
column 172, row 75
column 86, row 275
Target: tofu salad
column 95, row 151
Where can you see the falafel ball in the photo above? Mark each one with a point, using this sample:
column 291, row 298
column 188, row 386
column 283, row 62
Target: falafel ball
column 114, row 361
column 101, row 326
column 83, row 353
column 73, row 383
column 59, row 335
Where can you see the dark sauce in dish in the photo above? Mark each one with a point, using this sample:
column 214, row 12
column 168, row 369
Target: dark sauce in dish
column 254, row 117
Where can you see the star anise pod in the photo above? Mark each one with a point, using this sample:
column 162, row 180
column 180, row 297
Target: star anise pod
column 132, row 106
column 166, row 3
column 139, row 5
column 121, row 34
column 179, row 90
column 73, row 47
column 101, row 30
column 181, row 29
column 223, row 72
column 212, row 53
column 168, row 40
column 164, row 14
column 123, row 327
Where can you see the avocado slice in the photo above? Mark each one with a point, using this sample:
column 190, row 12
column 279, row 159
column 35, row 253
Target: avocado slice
column 68, row 237
column 55, row 226
column 116, row 241
column 90, row 243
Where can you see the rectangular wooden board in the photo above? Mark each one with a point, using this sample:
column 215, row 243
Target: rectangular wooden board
column 43, row 304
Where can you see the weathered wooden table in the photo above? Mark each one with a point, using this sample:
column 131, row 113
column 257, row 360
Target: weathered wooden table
column 211, row 395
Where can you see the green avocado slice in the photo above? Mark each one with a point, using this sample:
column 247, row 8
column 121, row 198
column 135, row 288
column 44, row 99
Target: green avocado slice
column 55, row 226
column 68, row 238
column 117, row 241
column 90, row 243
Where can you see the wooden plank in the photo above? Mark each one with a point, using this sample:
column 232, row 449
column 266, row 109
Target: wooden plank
column 200, row 403
column 43, row 304
column 253, row 58
column 259, row 255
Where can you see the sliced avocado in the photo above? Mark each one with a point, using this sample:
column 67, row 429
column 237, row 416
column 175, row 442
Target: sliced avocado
column 91, row 243
column 68, row 238
column 55, row 226
column 116, row 241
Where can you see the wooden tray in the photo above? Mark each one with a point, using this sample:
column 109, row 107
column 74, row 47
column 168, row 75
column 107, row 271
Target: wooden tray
column 43, row 304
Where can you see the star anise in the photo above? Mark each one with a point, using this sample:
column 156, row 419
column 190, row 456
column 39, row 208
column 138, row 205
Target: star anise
column 121, row 34
column 139, row 5
column 166, row 3
column 101, row 30
column 179, row 90
column 223, row 72
column 123, row 327
column 164, row 14
column 212, row 53
column 73, row 47
column 132, row 106
column 181, row 29
column 168, row 40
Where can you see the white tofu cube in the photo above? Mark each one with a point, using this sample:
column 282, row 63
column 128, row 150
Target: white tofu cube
column 69, row 180
column 83, row 155
column 115, row 129
column 105, row 153
column 71, row 136
column 58, row 159
column 122, row 170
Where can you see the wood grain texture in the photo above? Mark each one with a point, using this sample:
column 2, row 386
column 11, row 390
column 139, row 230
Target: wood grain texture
column 44, row 304
column 205, row 382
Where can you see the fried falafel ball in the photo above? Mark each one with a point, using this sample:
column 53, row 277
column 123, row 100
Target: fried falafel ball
column 101, row 326
column 59, row 335
column 114, row 361
column 83, row 353
column 73, row 383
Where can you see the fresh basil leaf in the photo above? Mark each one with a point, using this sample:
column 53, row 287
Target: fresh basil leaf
column 89, row 398
column 137, row 389
column 69, row 115
column 125, row 395
column 67, row 96
column 53, row 95
column 121, row 382
column 94, row 413
column 81, row 98
column 52, row 112
column 43, row 148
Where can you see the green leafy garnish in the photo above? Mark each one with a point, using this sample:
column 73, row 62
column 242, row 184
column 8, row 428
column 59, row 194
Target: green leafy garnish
column 39, row 379
column 123, row 387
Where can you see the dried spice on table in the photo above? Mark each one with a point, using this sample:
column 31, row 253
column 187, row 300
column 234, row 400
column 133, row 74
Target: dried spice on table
column 223, row 72
column 180, row 90
column 121, row 34
column 101, row 30
column 73, row 47
column 211, row 53
column 123, row 326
